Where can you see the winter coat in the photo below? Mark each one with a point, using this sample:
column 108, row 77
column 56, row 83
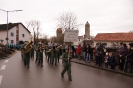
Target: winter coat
column 130, row 55
column 84, row 48
column 112, row 60
column 99, row 51
column 78, row 50
column 123, row 52
column 88, row 49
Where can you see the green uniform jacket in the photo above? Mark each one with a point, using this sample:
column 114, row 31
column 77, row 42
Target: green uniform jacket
column 65, row 60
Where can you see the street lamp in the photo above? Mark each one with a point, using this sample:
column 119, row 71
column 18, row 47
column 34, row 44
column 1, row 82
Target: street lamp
column 7, row 19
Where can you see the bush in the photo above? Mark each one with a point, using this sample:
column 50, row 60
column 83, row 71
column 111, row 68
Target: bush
column 2, row 54
column 1, row 45
column 7, row 51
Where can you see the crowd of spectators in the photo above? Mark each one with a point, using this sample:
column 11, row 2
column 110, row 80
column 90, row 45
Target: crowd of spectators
column 123, row 57
column 13, row 46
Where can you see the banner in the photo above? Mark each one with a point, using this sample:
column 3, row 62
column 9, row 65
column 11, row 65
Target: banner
column 71, row 35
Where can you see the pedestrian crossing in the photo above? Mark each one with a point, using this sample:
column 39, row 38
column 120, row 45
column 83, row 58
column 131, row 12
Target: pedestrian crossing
column 0, row 79
column 3, row 67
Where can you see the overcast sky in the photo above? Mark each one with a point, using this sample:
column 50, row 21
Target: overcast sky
column 104, row 16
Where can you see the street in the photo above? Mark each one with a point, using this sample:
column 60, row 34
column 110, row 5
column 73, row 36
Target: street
column 13, row 74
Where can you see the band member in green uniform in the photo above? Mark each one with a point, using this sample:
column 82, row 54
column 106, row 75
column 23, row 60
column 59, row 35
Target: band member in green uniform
column 40, row 54
column 36, row 49
column 26, row 57
column 22, row 47
column 46, row 49
column 58, row 49
column 66, row 64
column 58, row 54
column 49, row 54
column 32, row 52
column 54, row 55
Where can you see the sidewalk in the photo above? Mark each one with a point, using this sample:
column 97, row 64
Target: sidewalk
column 92, row 64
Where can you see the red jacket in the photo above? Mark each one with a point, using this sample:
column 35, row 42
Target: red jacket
column 78, row 50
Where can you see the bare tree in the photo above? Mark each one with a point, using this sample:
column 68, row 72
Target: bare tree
column 53, row 39
column 131, row 31
column 67, row 21
column 34, row 26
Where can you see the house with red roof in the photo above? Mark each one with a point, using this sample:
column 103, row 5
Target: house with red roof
column 110, row 39
column 16, row 32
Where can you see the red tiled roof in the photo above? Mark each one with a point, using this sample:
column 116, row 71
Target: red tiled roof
column 114, row 37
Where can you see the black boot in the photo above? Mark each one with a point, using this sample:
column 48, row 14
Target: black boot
column 62, row 75
column 55, row 64
column 28, row 66
column 70, row 79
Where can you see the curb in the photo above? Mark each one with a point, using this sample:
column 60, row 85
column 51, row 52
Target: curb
column 114, row 71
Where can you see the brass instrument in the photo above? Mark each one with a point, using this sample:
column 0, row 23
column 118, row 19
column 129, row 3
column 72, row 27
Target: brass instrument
column 27, row 47
column 57, row 48
column 42, row 48
column 49, row 51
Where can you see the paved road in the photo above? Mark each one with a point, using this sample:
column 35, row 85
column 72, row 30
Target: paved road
column 13, row 74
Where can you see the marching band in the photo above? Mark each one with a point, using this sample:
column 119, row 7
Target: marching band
column 52, row 55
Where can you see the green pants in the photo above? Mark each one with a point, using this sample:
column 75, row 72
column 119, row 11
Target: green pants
column 27, row 58
column 32, row 54
column 68, row 69
column 54, row 60
column 49, row 57
column 37, row 56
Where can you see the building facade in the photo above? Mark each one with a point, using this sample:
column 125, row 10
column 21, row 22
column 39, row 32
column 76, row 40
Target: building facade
column 16, row 32
column 113, row 39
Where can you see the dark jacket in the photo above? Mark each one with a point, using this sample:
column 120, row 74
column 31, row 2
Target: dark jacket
column 111, row 60
column 99, row 51
column 130, row 55
column 84, row 48
column 123, row 52
column 88, row 49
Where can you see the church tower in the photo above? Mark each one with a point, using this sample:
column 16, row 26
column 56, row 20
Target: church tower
column 87, row 31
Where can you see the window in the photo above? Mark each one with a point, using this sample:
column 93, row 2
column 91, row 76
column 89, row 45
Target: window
column 17, row 42
column 22, row 35
column 12, row 34
column 12, row 41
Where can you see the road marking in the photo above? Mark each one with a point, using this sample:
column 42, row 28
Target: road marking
column 6, row 61
column 3, row 67
column 0, row 79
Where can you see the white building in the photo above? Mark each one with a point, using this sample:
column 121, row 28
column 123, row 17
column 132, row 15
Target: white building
column 113, row 39
column 16, row 32
column 79, row 40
